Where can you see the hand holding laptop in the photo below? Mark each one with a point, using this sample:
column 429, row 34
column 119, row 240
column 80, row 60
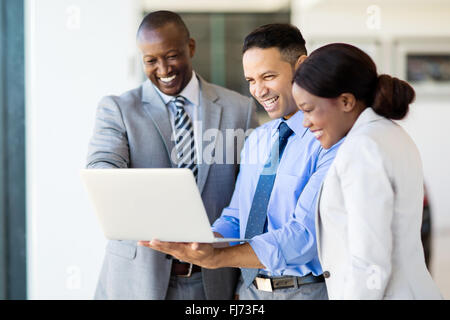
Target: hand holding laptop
column 201, row 254
column 207, row 255
column 138, row 204
column 144, row 204
column 198, row 253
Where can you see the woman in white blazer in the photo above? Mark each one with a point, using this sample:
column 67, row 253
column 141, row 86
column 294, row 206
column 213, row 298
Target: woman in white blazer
column 370, row 209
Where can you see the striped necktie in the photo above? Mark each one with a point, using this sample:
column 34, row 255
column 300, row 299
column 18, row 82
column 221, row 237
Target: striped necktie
column 258, row 212
column 184, row 138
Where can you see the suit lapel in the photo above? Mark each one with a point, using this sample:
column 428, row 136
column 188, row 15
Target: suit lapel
column 317, row 222
column 210, row 116
column 157, row 110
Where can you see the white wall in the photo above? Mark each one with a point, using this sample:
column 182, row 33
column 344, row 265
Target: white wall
column 426, row 23
column 77, row 51
column 216, row 5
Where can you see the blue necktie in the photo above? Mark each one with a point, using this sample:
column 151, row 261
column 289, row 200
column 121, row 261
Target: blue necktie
column 258, row 212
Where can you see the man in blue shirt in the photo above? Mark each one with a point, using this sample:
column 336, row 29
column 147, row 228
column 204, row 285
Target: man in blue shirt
column 282, row 168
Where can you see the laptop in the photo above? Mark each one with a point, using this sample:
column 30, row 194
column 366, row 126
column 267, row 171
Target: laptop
column 146, row 204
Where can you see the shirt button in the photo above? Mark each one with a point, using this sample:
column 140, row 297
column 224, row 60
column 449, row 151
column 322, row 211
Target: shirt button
column 326, row 274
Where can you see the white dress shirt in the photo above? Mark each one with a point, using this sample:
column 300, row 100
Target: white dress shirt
column 192, row 106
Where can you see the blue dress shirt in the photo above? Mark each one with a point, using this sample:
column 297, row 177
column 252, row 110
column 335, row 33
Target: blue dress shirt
column 288, row 246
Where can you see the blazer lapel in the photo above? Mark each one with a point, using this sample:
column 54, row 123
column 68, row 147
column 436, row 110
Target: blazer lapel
column 317, row 222
column 210, row 116
column 157, row 110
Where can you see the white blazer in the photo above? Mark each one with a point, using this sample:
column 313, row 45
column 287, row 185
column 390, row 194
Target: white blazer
column 369, row 216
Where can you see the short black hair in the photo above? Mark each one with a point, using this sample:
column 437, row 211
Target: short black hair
column 158, row 19
column 284, row 36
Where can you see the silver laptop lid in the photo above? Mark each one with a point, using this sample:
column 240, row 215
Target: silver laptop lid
column 143, row 204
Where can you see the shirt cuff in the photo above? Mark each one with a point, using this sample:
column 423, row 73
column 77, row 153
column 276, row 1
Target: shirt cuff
column 227, row 226
column 269, row 254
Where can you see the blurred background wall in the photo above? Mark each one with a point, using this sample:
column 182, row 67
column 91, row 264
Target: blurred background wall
column 77, row 51
column 80, row 50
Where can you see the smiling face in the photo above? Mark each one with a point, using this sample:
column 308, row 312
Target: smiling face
column 330, row 119
column 167, row 58
column 270, row 81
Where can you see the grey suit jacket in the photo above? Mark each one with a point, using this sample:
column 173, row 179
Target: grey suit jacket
column 134, row 131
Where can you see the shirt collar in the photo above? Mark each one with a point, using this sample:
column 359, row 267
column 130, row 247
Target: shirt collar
column 368, row 115
column 191, row 92
column 295, row 123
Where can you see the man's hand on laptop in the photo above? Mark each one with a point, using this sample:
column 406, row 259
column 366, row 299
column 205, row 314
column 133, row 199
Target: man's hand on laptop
column 206, row 255
column 202, row 254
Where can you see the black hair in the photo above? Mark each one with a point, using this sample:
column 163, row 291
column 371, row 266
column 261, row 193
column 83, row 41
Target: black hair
column 342, row 68
column 158, row 19
column 286, row 37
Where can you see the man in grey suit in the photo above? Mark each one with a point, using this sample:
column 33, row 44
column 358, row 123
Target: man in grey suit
column 139, row 130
